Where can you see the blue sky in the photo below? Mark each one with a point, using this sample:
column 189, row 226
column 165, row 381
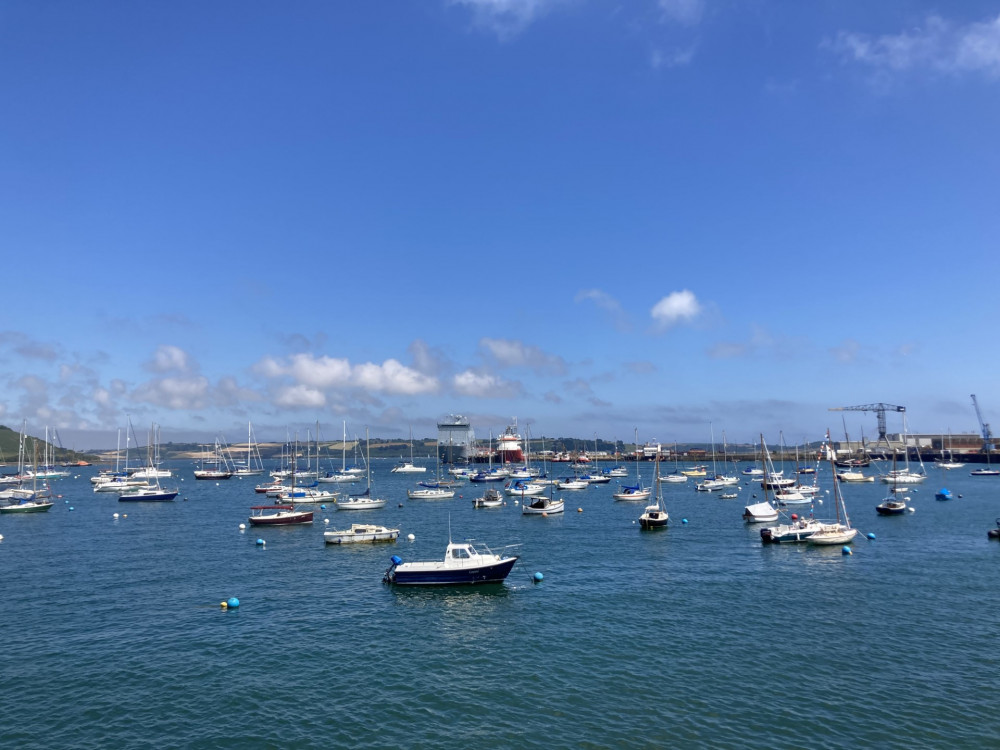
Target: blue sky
column 595, row 216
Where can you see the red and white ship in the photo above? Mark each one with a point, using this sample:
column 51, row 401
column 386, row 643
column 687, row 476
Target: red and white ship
column 509, row 446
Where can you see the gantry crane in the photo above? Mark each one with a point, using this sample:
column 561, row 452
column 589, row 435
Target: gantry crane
column 880, row 410
column 983, row 427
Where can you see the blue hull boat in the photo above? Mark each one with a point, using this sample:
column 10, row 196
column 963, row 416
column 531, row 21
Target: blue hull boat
column 463, row 564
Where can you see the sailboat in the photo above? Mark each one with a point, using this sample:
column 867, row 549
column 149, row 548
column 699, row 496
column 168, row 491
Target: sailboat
column 363, row 500
column 216, row 467
column 254, row 465
column 280, row 514
column 718, row 481
column 29, row 501
column 905, row 476
column 949, row 462
column 436, row 489
column 839, row 532
column 674, row 477
column 408, row 467
column 655, row 516
column 894, row 504
column 636, row 491
column 343, row 475
column 762, row 512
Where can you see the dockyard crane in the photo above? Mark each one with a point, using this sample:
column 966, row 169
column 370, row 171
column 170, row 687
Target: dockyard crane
column 983, row 427
column 880, row 410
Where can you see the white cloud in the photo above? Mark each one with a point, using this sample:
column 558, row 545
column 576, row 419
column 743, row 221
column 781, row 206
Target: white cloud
column 938, row 45
column 676, row 307
column 472, row 383
column 393, row 377
column 319, row 372
column 328, row 373
column 506, row 18
column 169, row 358
column 686, row 12
column 299, row 397
column 512, row 353
column 180, row 393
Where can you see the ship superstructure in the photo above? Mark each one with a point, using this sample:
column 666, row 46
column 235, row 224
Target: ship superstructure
column 455, row 439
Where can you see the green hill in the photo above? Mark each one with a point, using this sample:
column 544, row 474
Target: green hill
column 10, row 441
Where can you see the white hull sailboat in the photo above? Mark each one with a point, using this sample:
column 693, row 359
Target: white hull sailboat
column 408, row 467
column 364, row 500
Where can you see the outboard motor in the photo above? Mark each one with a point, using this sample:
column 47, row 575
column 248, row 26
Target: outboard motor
column 390, row 576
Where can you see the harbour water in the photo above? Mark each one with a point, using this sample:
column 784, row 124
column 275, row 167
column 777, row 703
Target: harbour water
column 693, row 636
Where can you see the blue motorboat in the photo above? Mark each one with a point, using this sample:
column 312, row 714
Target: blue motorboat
column 462, row 564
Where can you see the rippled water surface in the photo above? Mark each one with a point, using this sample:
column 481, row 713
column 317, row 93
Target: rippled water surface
column 695, row 636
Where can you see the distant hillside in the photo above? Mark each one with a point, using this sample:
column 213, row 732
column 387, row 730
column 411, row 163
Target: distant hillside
column 10, row 441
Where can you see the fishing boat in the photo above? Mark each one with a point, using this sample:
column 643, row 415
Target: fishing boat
column 463, row 563
column 279, row 515
column 543, row 506
column 655, row 516
column 367, row 533
column 491, row 498
column 363, row 500
column 408, row 467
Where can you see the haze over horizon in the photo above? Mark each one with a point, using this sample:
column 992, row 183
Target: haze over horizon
column 683, row 217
